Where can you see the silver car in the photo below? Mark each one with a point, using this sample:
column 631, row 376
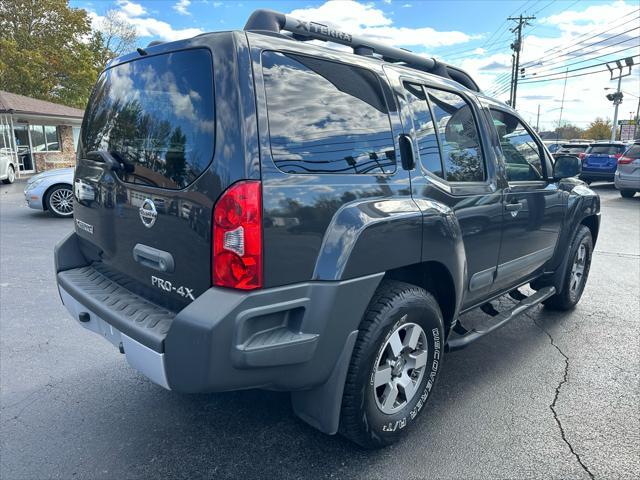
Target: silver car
column 51, row 191
column 627, row 177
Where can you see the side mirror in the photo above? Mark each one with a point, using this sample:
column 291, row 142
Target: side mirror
column 567, row 166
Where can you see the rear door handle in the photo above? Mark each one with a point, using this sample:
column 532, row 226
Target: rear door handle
column 153, row 258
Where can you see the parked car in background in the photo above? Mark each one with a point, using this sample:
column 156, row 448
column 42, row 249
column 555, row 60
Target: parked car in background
column 627, row 177
column 51, row 191
column 553, row 145
column 600, row 161
column 7, row 166
column 570, row 148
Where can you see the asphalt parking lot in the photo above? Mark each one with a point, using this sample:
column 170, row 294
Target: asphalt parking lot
column 548, row 396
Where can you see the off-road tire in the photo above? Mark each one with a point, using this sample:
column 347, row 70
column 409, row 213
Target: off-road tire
column 569, row 297
column 395, row 306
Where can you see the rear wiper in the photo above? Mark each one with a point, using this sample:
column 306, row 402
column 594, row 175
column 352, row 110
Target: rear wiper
column 105, row 157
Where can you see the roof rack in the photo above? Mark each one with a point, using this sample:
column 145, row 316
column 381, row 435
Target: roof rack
column 269, row 21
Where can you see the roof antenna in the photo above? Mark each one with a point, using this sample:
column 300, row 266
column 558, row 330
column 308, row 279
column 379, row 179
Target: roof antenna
column 141, row 51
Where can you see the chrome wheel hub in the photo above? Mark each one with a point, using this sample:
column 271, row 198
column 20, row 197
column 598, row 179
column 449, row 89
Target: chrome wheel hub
column 578, row 268
column 400, row 367
column 61, row 201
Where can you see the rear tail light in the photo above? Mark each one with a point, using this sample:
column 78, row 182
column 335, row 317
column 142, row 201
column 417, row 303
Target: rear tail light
column 581, row 155
column 617, row 155
column 624, row 160
column 237, row 237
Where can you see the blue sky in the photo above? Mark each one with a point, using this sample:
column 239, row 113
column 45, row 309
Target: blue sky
column 471, row 34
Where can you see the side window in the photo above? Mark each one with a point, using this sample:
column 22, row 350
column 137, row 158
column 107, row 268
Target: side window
column 326, row 117
column 424, row 130
column 458, row 135
column 521, row 153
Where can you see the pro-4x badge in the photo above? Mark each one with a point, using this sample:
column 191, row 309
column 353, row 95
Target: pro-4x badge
column 148, row 213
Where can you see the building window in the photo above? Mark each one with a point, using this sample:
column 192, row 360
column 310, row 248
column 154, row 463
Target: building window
column 44, row 138
column 76, row 137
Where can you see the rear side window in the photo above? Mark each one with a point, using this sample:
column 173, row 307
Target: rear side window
column 155, row 115
column 458, row 135
column 326, row 117
column 424, row 129
column 523, row 156
column 606, row 149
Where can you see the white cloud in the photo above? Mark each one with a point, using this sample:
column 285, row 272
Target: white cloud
column 365, row 19
column 146, row 25
column 182, row 6
column 131, row 9
column 576, row 21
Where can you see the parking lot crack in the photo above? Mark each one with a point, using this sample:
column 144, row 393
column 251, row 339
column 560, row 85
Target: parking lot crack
column 553, row 404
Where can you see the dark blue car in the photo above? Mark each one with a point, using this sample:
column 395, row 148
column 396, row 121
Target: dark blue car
column 600, row 161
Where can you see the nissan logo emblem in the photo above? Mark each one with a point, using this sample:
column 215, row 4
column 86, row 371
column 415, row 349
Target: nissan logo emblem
column 148, row 213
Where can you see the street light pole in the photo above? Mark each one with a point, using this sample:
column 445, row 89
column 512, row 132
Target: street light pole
column 614, row 127
column 616, row 97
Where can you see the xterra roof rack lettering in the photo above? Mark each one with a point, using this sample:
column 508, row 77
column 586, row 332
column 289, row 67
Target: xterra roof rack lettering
column 299, row 218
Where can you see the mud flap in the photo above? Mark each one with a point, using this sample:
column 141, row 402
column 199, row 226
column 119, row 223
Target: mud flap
column 320, row 406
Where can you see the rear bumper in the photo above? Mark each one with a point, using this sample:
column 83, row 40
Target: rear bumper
column 597, row 174
column 627, row 182
column 284, row 338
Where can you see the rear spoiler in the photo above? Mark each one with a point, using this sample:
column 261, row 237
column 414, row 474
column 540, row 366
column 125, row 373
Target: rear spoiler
column 269, row 21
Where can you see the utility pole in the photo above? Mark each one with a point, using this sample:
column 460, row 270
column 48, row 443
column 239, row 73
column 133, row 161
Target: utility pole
column 516, row 46
column 538, row 120
column 635, row 128
column 616, row 97
column 564, row 89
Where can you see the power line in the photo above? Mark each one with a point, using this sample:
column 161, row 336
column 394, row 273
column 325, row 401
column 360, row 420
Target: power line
column 570, row 76
column 592, row 44
column 601, row 32
column 486, row 42
column 593, row 58
column 562, row 77
column 581, row 68
column 558, row 13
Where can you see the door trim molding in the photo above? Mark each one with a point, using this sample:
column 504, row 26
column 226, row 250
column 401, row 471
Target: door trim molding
column 482, row 279
column 527, row 262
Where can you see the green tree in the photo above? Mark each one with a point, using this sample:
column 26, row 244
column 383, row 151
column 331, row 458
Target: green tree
column 599, row 129
column 568, row 131
column 46, row 51
column 113, row 37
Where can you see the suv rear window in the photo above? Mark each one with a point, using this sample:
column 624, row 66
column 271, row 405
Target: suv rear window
column 156, row 116
column 574, row 148
column 633, row 152
column 606, row 149
column 326, row 117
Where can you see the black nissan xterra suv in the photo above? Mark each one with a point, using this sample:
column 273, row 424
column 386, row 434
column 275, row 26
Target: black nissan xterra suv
column 256, row 211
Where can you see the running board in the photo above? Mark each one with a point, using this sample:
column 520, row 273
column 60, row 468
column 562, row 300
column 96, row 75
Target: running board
column 502, row 319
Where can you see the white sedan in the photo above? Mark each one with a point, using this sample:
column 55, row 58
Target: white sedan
column 51, row 191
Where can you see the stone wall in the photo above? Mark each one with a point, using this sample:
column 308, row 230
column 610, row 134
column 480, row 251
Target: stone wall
column 64, row 158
